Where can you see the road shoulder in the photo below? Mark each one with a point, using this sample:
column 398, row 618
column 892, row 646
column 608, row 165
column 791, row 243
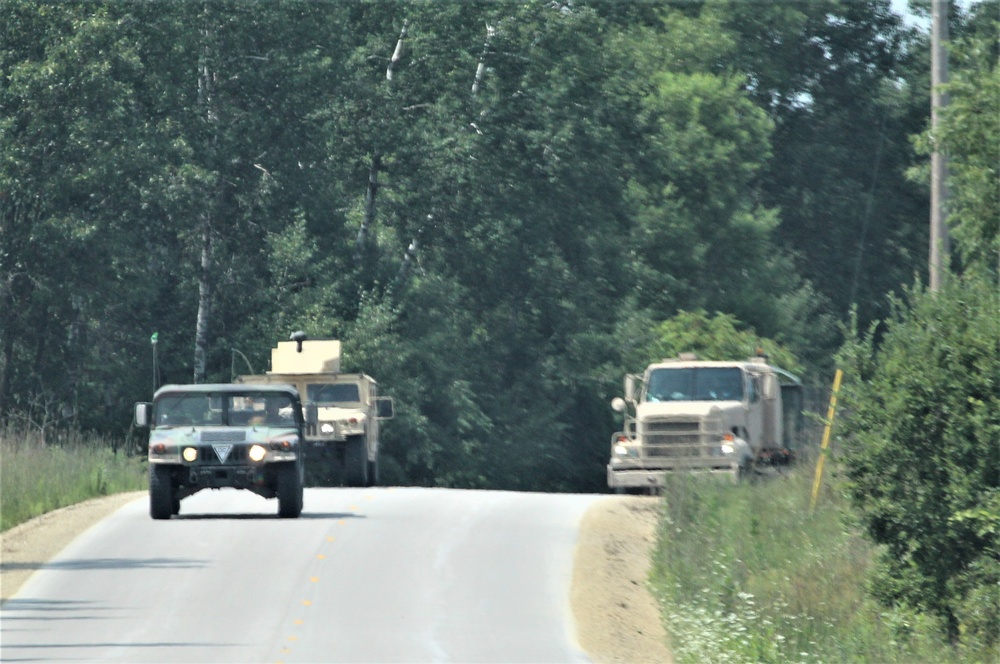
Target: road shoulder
column 617, row 617
column 27, row 546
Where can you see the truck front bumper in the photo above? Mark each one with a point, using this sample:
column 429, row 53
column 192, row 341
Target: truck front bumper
column 633, row 478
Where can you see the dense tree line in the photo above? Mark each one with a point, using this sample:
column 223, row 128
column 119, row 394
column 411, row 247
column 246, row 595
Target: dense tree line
column 922, row 387
column 493, row 204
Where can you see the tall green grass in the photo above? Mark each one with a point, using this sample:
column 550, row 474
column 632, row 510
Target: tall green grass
column 38, row 476
column 745, row 573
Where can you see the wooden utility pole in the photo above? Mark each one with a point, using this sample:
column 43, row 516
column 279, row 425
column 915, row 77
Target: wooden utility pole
column 939, row 249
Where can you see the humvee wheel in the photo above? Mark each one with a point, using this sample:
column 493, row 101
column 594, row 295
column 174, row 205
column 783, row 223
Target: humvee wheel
column 161, row 494
column 356, row 462
column 289, row 491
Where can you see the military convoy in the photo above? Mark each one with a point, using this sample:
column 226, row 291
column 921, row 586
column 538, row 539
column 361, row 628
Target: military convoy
column 255, row 433
column 684, row 414
column 346, row 407
column 224, row 435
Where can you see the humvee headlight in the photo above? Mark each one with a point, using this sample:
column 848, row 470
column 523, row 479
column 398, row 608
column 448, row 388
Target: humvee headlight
column 190, row 454
column 326, row 428
column 727, row 449
column 621, row 450
column 257, row 453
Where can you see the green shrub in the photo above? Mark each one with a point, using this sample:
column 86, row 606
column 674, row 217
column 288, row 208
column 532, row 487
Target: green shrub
column 920, row 433
column 746, row 573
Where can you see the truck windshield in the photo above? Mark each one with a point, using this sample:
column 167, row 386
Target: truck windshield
column 328, row 393
column 224, row 409
column 695, row 384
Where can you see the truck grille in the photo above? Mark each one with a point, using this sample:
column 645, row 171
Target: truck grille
column 678, row 438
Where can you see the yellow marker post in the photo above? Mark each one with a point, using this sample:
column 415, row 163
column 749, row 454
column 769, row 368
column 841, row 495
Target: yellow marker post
column 826, row 438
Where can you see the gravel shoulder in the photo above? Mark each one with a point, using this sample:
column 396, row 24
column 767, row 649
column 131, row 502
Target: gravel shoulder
column 617, row 617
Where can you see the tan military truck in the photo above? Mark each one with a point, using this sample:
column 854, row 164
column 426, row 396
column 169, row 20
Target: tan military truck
column 346, row 407
column 691, row 415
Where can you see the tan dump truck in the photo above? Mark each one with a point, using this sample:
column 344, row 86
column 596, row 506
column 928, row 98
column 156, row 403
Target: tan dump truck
column 344, row 409
column 691, row 415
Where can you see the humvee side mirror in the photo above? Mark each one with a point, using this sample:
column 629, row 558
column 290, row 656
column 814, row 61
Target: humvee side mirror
column 385, row 408
column 143, row 414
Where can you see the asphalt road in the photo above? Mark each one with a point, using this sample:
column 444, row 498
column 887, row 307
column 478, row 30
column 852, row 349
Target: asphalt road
column 365, row 575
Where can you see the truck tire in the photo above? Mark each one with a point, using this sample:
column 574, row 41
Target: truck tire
column 356, row 462
column 161, row 493
column 289, row 491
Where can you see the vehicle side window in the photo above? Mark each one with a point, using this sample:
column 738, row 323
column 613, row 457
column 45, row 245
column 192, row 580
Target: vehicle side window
column 752, row 389
column 333, row 393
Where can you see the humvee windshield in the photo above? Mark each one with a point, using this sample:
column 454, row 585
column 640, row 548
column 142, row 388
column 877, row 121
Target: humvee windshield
column 695, row 384
column 224, row 409
column 329, row 393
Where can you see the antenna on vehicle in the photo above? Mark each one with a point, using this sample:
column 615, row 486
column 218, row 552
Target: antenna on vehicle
column 232, row 363
column 156, row 367
column 298, row 337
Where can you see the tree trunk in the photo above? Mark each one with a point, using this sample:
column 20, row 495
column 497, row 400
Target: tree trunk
column 370, row 194
column 204, row 302
column 206, row 102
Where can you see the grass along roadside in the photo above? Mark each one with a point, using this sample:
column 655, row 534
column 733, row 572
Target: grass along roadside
column 37, row 477
column 745, row 573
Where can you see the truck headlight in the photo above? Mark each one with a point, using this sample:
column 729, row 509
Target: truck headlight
column 626, row 451
column 326, row 428
column 727, row 447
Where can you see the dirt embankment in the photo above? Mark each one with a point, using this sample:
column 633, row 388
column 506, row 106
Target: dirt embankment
column 617, row 618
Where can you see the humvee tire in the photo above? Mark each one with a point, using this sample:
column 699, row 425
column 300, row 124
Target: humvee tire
column 161, row 495
column 356, row 462
column 289, row 491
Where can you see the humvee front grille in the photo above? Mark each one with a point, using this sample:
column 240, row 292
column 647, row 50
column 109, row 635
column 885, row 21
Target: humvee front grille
column 208, row 457
column 232, row 436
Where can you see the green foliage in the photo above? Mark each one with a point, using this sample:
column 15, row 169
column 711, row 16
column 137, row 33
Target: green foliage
column 970, row 136
column 562, row 172
column 746, row 573
column 921, row 429
column 716, row 337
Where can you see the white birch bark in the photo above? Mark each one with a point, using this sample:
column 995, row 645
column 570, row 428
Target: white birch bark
column 206, row 102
